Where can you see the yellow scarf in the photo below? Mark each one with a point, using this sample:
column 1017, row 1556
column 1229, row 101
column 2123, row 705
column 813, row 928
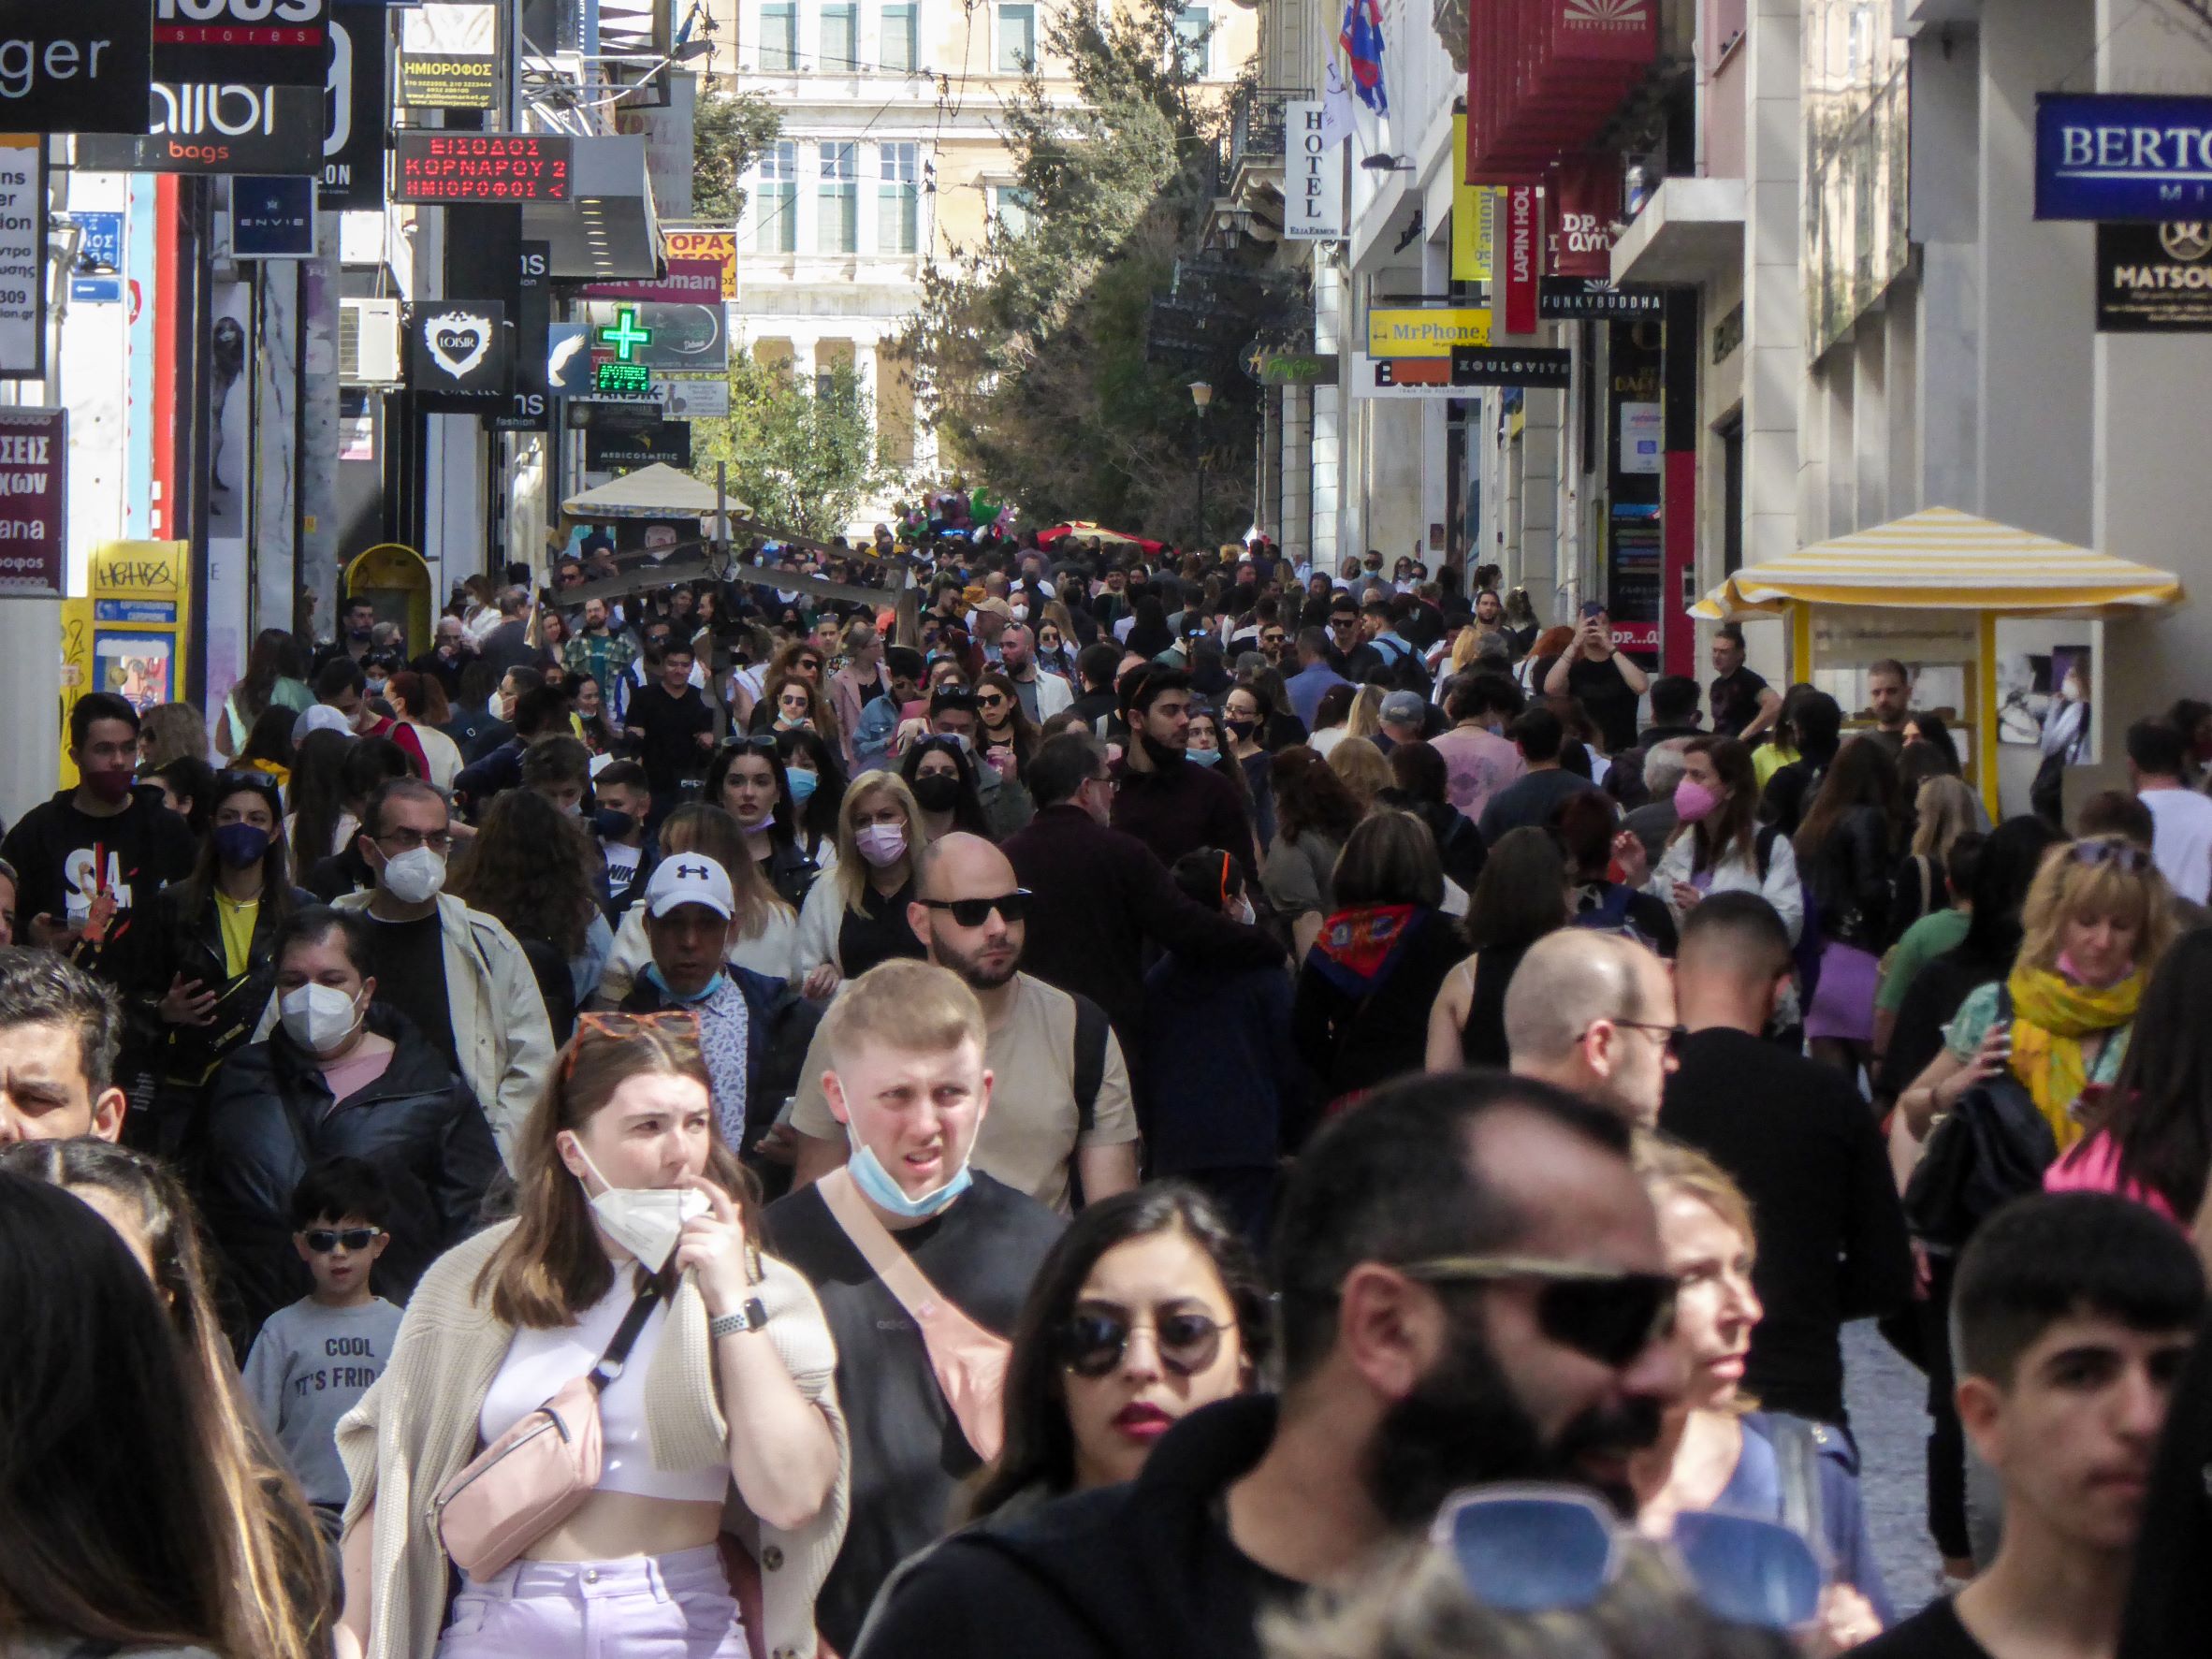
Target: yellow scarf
column 2052, row 1015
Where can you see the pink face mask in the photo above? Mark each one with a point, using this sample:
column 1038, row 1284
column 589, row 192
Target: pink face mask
column 1694, row 801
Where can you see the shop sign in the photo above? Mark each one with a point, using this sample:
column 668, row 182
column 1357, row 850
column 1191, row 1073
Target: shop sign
column 691, row 281
column 622, row 442
column 1586, row 200
column 359, row 92
column 1563, row 299
column 1530, row 367
column 2154, row 279
column 530, row 407
column 1401, row 377
column 1312, row 194
column 449, row 57
column 22, row 257
column 1473, row 215
column 1412, row 331
column 717, row 247
column 693, row 400
column 457, row 354
column 77, row 66
column 214, row 127
column 449, row 167
column 272, row 218
column 2109, row 156
column 34, row 471
column 1287, row 367
column 277, row 42
column 1524, row 256
column 686, row 338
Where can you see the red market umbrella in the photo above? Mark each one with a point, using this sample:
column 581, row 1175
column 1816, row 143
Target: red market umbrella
column 1097, row 532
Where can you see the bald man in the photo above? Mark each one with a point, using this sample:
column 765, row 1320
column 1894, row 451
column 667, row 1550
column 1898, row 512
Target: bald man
column 1594, row 1013
column 1061, row 1097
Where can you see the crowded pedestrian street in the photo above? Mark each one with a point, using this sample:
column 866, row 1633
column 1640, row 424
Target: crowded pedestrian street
column 1220, row 829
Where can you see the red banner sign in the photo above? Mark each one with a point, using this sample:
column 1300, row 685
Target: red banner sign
column 34, row 471
column 1585, row 201
column 1520, row 254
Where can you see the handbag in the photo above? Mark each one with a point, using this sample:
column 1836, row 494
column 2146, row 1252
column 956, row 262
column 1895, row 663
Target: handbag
column 1989, row 1149
column 537, row 1474
column 968, row 1361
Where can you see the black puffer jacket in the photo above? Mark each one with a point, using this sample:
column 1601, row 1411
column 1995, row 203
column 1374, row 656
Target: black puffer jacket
column 269, row 1115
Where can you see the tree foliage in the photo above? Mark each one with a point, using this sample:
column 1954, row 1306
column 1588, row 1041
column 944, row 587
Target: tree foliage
column 728, row 131
column 802, row 455
column 1028, row 353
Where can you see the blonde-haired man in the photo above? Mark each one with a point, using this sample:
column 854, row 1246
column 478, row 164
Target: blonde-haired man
column 904, row 1075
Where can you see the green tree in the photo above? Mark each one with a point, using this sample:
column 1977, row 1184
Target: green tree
column 729, row 130
column 1028, row 353
column 802, row 457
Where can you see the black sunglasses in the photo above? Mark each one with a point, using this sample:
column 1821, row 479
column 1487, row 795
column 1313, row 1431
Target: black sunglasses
column 1608, row 1315
column 751, row 743
column 973, row 913
column 1093, row 1344
column 322, row 1240
column 1675, row 1036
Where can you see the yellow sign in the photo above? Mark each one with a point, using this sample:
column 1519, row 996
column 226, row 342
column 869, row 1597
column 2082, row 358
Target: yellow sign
column 127, row 634
column 1474, row 216
column 1420, row 332
column 708, row 244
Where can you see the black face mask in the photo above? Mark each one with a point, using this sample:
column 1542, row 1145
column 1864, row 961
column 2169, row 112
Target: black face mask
column 610, row 825
column 936, row 792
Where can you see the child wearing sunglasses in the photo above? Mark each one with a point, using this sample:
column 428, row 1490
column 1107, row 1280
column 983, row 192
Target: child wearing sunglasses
column 314, row 1360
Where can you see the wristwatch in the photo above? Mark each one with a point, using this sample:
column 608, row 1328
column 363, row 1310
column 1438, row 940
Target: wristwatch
column 750, row 1316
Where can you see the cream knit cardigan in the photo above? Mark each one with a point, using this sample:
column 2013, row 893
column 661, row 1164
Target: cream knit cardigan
column 417, row 1426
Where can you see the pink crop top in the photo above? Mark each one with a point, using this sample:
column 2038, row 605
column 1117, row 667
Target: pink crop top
column 539, row 1362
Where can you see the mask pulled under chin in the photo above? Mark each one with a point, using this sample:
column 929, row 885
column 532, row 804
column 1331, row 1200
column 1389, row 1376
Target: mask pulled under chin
column 880, row 1189
column 644, row 1221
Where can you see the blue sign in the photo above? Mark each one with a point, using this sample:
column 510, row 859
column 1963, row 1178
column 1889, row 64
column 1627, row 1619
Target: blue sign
column 2120, row 156
column 134, row 610
column 272, row 218
column 95, row 278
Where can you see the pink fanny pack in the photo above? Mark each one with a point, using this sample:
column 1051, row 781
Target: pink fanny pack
column 970, row 1361
column 538, row 1474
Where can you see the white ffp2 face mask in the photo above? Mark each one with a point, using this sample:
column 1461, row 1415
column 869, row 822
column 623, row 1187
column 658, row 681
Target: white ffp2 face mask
column 645, row 1220
column 415, row 876
column 318, row 1017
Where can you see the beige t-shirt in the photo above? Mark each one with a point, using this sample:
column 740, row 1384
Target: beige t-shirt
column 1029, row 1133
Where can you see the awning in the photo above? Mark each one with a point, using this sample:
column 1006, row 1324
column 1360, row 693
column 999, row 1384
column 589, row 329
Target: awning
column 658, row 491
column 606, row 228
column 1083, row 530
column 1940, row 559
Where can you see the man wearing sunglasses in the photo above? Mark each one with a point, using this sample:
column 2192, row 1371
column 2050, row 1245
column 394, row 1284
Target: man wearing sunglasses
column 1472, row 1290
column 1060, row 1109
column 1594, row 1013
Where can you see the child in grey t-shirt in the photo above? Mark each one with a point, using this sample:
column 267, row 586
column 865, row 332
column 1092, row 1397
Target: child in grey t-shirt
column 314, row 1360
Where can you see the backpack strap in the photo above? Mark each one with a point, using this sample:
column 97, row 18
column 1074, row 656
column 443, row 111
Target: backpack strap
column 1091, row 1031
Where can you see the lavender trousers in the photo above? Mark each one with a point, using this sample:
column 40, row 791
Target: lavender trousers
column 648, row 1606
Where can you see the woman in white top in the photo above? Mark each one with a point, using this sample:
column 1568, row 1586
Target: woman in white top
column 625, row 1191
column 418, row 703
column 767, row 928
column 1718, row 846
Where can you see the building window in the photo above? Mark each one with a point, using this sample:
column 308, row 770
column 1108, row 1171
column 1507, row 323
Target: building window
column 1194, row 30
column 898, row 199
column 898, row 38
column 779, row 35
column 1012, row 209
column 775, row 204
column 1017, row 40
column 838, row 200
column 840, row 39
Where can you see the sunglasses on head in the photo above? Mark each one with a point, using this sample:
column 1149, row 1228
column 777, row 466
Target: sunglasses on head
column 2124, row 855
column 322, row 1240
column 1602, row 1313
column 974, row 913
column 1551, row 1549
column 1092, row 1345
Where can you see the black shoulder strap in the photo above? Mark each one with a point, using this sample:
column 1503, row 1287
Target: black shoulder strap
column 1762, row 843
column 625, row 1338
column 1091, row 1031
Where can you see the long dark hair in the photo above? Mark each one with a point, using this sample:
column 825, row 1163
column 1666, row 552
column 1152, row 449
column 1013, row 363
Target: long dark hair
column 1039, row 1448
column 783, row 826
column 1861, row 775
column 1018, row 724
column 275, row 656
column 2011, row 855
column 967, row 812
column 1735, row 823
column 318, row 794
column 1520, row 895
column 199, row 888
column 529, row 865
column 2160, row 1119
column 1310, row 797
column 818, row 816
column 269, row 739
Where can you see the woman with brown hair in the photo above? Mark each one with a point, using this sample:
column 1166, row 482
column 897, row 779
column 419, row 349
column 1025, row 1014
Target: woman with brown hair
column 1526, row 890
column 793, row 703
column 628, row 1200
column 1005, row 738
column 1358, row 763
column 1315, row 816
column 1847, row 851
column 1717, row 845
column 419, row 703
column 170, row 732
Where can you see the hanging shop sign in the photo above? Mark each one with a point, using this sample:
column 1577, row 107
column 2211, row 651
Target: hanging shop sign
column 82, row 67
column 688, row 282
column 215, row 128
column 1269, row 367
column 619, row 441
column 685, row 339
column 1585, row 202
column 1524, row 257
column 459, row 358
column 276, row 42
column 449, row 57
column 22, row 257
column 34, row 474
column 449, row 166
column 359, row 92
column 1532, row 366
column 529, row 408
column 568, row 359
column 2104, row 155
column 272, row 218
column 1415, row 332
column 1391, row 378
column 1563, row 299
column 716, row 247
column 97, row 276
column 693, row 400
column 1313, row 194
column 2154, row 279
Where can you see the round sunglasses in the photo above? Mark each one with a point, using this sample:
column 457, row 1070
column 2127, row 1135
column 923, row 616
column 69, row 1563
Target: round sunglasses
column 1093, row 1344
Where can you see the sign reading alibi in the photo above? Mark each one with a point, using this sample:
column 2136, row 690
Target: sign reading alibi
column 2120, row 157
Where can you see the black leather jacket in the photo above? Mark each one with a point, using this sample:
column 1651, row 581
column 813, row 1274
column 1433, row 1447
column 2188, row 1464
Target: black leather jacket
column 1849, row 879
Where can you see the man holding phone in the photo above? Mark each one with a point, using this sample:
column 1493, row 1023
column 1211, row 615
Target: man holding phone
column 1607, row 683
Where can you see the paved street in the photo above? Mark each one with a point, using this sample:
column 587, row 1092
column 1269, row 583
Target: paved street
column 1887, row 1397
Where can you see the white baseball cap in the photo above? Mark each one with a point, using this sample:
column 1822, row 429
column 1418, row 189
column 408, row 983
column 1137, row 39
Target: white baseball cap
column 690, row 878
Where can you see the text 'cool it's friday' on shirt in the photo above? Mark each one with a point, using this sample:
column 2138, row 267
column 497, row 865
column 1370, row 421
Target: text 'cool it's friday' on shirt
column 307, row 1368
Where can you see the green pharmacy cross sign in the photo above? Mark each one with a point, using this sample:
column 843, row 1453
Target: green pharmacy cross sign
column 626, row 337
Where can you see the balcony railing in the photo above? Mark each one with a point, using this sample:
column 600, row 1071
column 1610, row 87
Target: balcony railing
column 1255, row 126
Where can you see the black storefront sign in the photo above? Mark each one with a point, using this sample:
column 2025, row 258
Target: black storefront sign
column 215, row 128
column 1532, row 366
column 459, row 359
column 623, row 440
column 268, row 42
column 531, row 408
column 272, row 218
column 2154, row 279
column 359, row 96
column 77, row 66
column 1563, row 298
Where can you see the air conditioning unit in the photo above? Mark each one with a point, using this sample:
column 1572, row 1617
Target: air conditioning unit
column 369, row 342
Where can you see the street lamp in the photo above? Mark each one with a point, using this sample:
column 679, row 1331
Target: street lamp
column 1202, row 394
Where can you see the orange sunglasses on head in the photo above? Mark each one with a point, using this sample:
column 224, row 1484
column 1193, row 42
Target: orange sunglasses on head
column 615, row 1027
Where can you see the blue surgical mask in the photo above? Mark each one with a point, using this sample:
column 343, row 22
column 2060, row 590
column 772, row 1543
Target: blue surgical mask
column 1203, row 757
column 653, row 975
column 880, row 1189
column 803, row 785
